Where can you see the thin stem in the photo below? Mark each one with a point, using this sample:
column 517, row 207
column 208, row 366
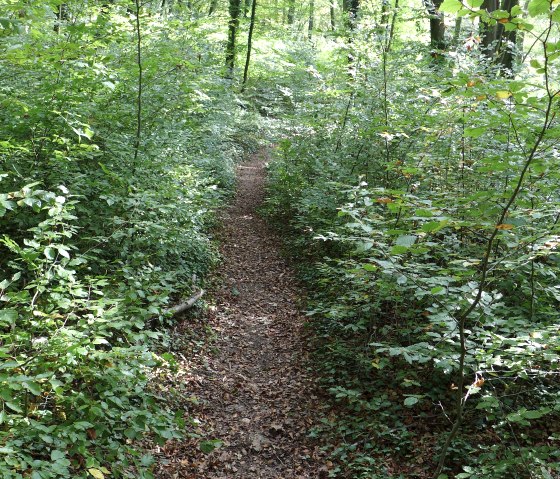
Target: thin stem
column 139, row 87
column 463, row 316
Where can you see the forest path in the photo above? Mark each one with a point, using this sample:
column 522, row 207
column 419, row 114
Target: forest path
column 255, row 394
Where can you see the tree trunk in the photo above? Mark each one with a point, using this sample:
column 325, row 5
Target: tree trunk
column 333, row 15
column 291, row 11
column 497, row 44
column 488, row 32
column 393, row 23
column 233, row 25
column 437, row 24
column 385, row 14
column 213, row 6
column 62, row 15
column 507, row 43
column 311, row 15
column 249, row 43
column 246, row 7
column 350, row 9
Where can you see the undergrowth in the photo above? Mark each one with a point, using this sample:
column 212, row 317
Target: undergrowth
column 391, row 191
column 103, row 228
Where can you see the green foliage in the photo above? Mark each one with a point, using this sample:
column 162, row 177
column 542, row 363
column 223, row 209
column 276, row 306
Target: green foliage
column 393, row 188
column 95, row 245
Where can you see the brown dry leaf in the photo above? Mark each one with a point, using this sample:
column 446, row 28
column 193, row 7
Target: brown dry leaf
column 479, row 383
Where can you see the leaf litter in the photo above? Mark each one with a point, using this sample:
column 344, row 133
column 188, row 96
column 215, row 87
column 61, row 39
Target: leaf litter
column 252, row 402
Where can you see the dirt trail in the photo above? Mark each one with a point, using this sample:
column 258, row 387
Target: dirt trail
column 254, row 394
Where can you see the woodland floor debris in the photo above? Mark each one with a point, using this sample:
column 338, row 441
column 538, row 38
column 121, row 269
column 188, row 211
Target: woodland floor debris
column 255, row 394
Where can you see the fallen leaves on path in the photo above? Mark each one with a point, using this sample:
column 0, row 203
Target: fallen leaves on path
column 255, row 401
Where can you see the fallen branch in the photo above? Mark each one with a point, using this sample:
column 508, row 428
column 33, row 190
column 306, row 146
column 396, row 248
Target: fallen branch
column 178, row 309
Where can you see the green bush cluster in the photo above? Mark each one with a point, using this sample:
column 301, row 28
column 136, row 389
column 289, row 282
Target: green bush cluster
column 392, row 189
column 102, row 230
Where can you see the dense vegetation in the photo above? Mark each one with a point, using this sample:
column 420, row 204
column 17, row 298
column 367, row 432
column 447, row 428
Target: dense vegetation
column 423, row 188
column 416, row 165
column 105, row 211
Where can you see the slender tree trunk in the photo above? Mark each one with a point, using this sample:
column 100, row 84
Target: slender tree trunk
column 291, row 11
column 333, row 15
column 138, row 135
column 437, row 24
column 385, row 6
column 246, row 7
column 392, row 28
column 249, row 44
column 311, row 18
column 350, row 9
column 213, row 6
column 457, row 30
column 488, row 32
column 234, row 11
column 62, row 15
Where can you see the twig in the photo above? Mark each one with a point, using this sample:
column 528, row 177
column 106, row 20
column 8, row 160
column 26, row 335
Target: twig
column 189, row 303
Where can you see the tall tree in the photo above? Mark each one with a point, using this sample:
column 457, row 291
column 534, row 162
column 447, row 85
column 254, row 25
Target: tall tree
column 437, row 24
column 233, row 25
column 487, row 31
column 213, row 6
column 388, row 21
column 62, row 15
column 498, row 44
column 350, row 9
column 291, row 12
column 246, row 7
column 249, row 44
column 311, row 18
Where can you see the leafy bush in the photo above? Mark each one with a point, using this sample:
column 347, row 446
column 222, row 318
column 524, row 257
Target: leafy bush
column 403, row 195
column 102, row 229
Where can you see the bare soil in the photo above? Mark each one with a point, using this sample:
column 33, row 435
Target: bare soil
column 253, row 392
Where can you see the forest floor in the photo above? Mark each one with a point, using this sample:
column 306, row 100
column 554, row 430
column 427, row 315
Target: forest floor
column 251, row 390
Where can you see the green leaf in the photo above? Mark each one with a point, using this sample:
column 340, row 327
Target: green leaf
column 450, row 6
column 369, row 267
column 96, row 473
column 63, row 251
column 14, row 407
column 399, row 249
column 406, row 240
column 475, row 132
column 433, row 226
column 8, row 316
column 535, row 414
column 33, row 387
column 56, row 454
column 535, row 63
column 208, row 446
column 538, row 7
column 411, row 401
